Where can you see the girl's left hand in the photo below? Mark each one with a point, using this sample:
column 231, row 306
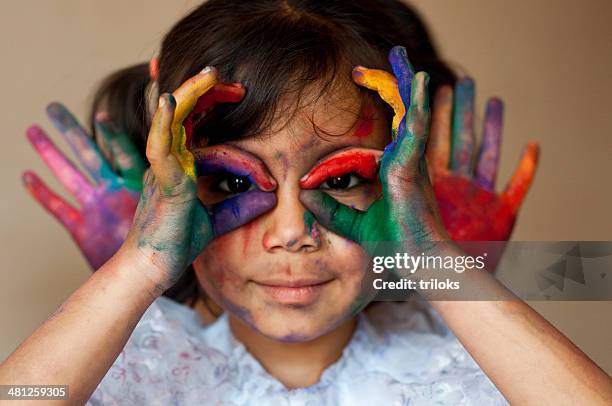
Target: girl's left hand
column 407, row 212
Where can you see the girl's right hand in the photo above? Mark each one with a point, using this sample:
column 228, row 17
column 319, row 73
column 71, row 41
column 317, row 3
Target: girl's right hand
column 171, row 226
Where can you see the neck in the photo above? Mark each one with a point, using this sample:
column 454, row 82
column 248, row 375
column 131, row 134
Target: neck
column 295, row 365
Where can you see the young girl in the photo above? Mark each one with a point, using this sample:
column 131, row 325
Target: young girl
column 275, row 165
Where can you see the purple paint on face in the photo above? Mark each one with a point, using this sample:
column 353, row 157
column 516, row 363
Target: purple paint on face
column 236, row 211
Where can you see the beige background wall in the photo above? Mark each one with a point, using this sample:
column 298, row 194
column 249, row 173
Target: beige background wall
column 550, row 60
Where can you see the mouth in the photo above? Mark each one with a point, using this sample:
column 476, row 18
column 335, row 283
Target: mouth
column 293, row 292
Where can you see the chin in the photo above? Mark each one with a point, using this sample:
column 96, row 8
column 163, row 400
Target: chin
column 296, row 324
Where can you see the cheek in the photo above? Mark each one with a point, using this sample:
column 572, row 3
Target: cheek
column 217, row 268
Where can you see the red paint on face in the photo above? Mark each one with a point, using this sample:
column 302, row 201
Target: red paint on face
column 363, row 163
column 365, row 122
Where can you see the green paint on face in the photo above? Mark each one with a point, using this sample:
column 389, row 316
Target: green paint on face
column 309, row 220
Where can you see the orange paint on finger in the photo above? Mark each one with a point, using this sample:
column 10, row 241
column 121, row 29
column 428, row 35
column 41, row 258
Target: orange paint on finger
column 523, row 176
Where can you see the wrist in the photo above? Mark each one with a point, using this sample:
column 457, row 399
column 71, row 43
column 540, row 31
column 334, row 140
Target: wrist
column 137, row 271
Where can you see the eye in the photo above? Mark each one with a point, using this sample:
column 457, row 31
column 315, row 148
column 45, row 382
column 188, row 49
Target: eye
column 235, row 184
column 342, row 182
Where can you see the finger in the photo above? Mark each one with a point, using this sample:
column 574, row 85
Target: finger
column 462, row 143
column 361, row 161
column 123, row 153
column 165, row 167
column 402, row 69
column 385, row 85
column 438, row 146
column 227, row 158
column 220, row 93
column 80, row 142
column 488, row 157
column 239, row 210
column 186, row 97
column 411, row 146
column 335, row 216
column 523, row 176
column 59, row 208
column 68, row 175
column 189, row 92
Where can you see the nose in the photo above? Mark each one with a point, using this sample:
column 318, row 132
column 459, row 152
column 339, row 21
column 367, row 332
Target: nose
column 290, row 227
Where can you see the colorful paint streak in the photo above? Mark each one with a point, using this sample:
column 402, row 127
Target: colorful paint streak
column 353, row 160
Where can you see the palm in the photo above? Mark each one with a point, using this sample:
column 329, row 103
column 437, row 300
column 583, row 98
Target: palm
column 105, row 221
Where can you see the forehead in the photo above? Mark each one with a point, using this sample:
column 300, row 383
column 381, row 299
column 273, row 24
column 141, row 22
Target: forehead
column 308, row 127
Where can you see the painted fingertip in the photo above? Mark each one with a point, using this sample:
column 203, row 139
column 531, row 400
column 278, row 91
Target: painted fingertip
column 495, row 106
column 398, row 51
column 167, row 100
column 55, row 108
column 27, row 177
column 208, row 69
column 33, row 133
column 465, row 81
column 171, row 100
column 102, row 117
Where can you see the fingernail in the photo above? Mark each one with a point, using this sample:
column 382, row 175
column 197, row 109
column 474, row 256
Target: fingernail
column 102, row 116
column 207, row 69
column 162, row 101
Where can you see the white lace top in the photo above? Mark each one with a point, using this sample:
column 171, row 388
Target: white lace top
column 401, row 353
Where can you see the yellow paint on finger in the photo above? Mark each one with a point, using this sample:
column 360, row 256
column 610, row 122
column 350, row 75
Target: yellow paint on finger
column 180, row 151
column 385, row 84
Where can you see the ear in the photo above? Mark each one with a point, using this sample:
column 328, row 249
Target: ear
column 154, row 68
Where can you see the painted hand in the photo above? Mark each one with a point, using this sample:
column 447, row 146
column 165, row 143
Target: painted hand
column 406, row 213
column 470, row 207
column 99, row 226
column 171, row 225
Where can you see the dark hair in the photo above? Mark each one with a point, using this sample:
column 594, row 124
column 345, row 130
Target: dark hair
column 274, row 48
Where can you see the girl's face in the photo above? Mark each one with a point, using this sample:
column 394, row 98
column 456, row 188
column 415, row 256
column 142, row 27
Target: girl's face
column 283, row 274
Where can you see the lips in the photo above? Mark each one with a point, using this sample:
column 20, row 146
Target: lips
column 293, row 291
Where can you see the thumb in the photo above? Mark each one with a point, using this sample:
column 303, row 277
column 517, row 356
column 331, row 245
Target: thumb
column 335, row 216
